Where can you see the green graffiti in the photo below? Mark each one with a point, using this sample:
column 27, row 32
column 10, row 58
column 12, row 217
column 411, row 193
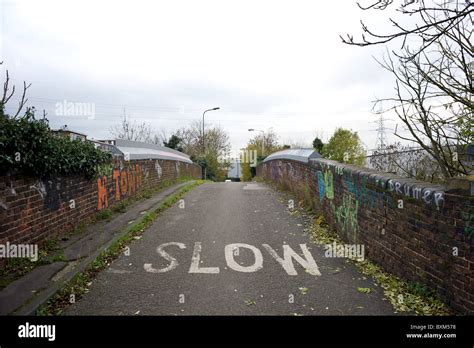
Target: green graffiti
column 329, row 184
column 346, row 216
column 468, row 218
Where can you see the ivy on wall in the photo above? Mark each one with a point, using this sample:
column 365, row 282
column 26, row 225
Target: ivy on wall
column 28, row 146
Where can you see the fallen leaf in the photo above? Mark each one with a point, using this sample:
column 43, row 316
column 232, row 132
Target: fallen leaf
column 250, row 302
column 364, row 290
column 304, row 291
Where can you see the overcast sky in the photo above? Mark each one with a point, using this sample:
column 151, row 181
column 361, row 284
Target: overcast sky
column 266, row 64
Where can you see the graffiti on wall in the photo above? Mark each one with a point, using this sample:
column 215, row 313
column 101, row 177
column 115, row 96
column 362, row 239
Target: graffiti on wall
column 276, row 170
column 126, row 181
column 325, row 184
column 427, row 195
column 321, row 185
column 329, row 183
column 40, row 188
column 346, row 216
column 468, row 217
column 49, row 204
column 366, row 196
column 54, row 192
column 102, row 197
column 53, row 198
column 158, row 169
column 294, row 174
column 371, row 197
column 50, row 190
column 176, row 164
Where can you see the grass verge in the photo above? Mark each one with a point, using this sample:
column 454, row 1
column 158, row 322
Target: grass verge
column 78, row 285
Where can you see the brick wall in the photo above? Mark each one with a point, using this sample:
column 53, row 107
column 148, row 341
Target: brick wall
column 421, row 232
column 33, row 209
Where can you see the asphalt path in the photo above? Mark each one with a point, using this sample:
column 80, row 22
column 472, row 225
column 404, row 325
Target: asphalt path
column 221, row 251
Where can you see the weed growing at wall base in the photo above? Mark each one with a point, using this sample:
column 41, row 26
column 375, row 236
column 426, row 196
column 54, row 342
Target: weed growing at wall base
column 15, row 268
column 29, row 251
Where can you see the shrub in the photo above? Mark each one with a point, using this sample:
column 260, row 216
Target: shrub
column 28, row 146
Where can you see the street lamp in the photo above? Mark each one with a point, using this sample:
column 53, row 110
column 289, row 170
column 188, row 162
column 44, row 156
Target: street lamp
column 203, row 143
column 263, row 137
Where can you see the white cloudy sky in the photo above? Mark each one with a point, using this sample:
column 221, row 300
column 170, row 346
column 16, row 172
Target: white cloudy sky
column 266, row 64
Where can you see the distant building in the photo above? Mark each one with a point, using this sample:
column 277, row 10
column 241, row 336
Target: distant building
column 108, row 141
column 104, row 146
column 69, row 133
column 469, row 158
column 135, row 150
column 235, row 169
column 127, row 149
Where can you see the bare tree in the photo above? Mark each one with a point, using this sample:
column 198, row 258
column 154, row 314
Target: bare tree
column 191, row 139
column 217, row 148
column 444, row 15
column 8, row 93
column 131, row 130
column 405, row 161
column 160, row 137
column 216, row 140
column 433, row 80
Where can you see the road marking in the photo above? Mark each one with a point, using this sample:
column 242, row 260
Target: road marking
column 173, row 262
column 289, row 254
column 229, row 257
column 195, row 268
column 286, row 262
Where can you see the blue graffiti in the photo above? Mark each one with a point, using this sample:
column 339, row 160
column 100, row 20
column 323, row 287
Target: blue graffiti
column 321, row 185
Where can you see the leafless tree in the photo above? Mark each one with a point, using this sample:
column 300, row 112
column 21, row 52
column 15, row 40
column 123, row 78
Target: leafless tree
column 216, row 140
column 436, row 19
column 8, row 93
column 433, row 74
column 160, row 137
column 405, row 161
column 131, row 130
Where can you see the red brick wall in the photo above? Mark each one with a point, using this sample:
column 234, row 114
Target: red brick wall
column 33, row 209
column 427, row 240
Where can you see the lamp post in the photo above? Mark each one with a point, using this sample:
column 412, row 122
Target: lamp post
column 203, row 143
column 263, row 137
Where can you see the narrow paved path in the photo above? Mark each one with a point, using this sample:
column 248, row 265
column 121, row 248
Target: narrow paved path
column 194, row 275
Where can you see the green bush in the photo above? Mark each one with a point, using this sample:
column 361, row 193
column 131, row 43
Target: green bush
column 28, row 146
column 344, row 146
